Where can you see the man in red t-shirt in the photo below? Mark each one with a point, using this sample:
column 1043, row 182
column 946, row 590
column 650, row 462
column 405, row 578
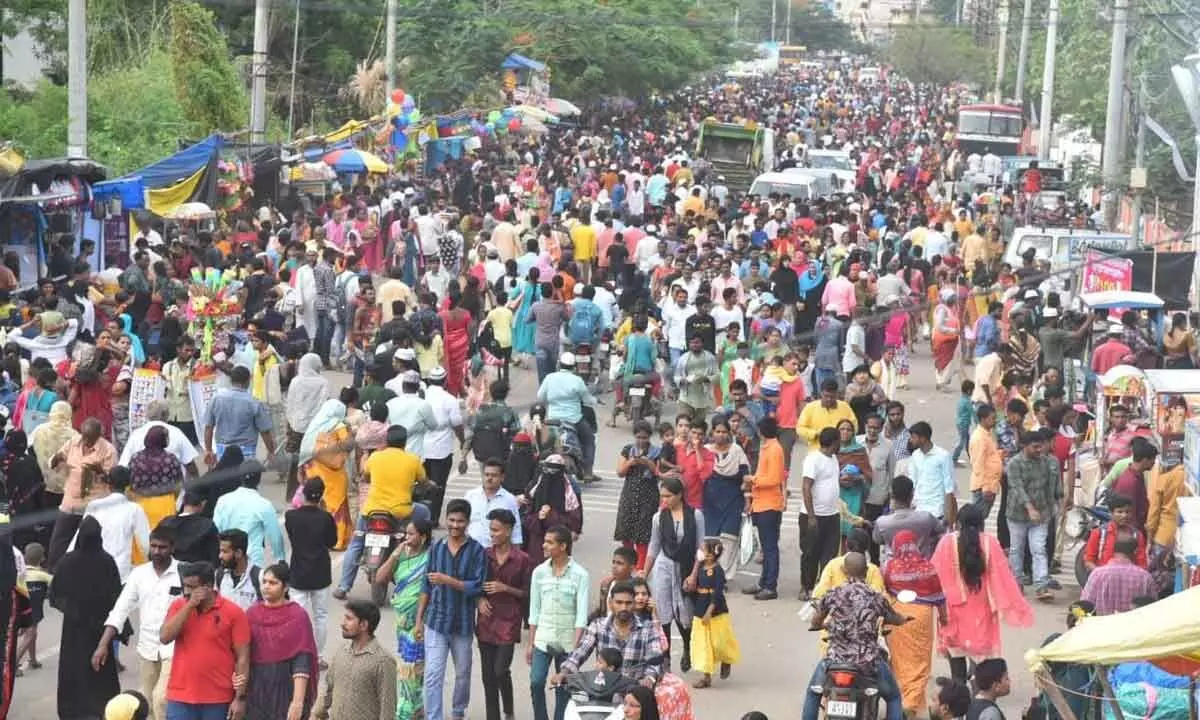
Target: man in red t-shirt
column 1112, row 352
column 211, row 661
column 1101, row 541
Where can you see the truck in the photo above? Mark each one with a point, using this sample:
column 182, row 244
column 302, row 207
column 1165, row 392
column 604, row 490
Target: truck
column 738, row 151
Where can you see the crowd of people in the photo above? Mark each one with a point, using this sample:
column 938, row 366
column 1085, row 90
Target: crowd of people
column 766, row 322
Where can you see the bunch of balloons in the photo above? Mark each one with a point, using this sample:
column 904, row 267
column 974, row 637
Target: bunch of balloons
column 502, row 122
column 407, row 115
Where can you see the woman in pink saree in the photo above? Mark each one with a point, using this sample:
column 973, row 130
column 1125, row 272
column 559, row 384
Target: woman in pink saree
column 980, row 592
column 456, row 337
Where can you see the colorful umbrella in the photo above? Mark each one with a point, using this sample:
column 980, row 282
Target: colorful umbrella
column 191, row 211
column 354, row 160
column 560, row 107
column 533, row 111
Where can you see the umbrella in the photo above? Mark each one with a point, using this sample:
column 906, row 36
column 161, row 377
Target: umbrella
column 355, row 161
column 533, row 111
column 533, row 126
column 560, row 107
column 190, row 211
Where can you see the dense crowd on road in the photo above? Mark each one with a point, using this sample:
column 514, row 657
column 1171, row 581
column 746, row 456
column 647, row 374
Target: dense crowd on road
column 605, row 257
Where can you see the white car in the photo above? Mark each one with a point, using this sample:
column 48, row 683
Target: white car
column 834, row 162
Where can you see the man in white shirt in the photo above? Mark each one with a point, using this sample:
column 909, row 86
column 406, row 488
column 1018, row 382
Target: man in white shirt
column 429, row 229
column 122, row 521
column 932, row 471
column 992, row 165
column 649, row 251
column 635, row 200
column 437, row 278
column 936, row 241
column 149, row 590
column 729, row 312
column 177, row 442
column 488, row 497
column 855, row 352
column 674, row 318
column 57, row 334
column 820, row 513
column 607, row 302
column 439, row 442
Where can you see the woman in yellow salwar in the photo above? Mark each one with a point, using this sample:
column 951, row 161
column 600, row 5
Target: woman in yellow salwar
column 911, row 645
column 325, row 454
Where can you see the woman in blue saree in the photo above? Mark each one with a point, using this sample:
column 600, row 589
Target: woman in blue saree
column 528, row 292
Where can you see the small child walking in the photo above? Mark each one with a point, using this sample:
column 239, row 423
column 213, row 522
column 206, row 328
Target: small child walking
column 713, row 641
column 37, row 581
column 964, row 415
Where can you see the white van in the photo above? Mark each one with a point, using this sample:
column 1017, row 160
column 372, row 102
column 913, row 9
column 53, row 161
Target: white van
column 1064, row 247
column 869, row 75
column 794, row 183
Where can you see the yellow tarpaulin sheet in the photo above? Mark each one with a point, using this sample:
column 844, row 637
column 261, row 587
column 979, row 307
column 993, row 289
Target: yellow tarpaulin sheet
column 351, row 128
column 1166, row 630
column 163, row 200
column 11, row 162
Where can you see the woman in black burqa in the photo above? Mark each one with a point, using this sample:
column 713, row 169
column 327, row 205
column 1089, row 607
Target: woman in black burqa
column 85, row 588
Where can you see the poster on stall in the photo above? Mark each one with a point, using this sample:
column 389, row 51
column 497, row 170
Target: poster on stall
column 146, row 387
column 1172, row 411
column 1102, row 273
column 200, row 393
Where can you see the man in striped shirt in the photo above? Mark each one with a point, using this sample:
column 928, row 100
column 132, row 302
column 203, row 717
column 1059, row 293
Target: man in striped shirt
column 1114, row 586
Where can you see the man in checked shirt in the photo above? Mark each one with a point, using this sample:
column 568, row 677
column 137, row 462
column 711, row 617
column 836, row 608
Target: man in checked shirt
column 325, row 279
column 636, row 640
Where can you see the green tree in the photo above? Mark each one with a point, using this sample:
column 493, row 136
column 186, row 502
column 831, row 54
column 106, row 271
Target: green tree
column 938, row 54
column 206, row 82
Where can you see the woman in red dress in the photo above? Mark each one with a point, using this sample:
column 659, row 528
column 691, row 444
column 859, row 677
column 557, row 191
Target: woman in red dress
column 91, row 376
column 456, row 338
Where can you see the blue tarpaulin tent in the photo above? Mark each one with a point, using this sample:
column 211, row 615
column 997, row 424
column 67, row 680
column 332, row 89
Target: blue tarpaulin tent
column 520, row 62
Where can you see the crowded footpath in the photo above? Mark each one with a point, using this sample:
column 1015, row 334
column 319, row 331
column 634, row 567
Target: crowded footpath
column 755, row 353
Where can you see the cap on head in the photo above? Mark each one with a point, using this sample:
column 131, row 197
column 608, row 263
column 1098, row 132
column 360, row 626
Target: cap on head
column 567, row 359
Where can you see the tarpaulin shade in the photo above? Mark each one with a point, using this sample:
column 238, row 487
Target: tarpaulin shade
column 182, row 165
column 1166, row 632
column 130, row 190
column 520, row 62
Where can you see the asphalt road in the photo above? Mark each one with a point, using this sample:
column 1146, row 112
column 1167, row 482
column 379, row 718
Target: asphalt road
column 777, row 652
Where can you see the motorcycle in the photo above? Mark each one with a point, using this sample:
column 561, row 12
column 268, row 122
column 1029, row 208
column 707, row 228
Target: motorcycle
column 382, row 535
column 585, row 364
column 849, row 693
column 595, row 695
column 1078, row 525
column 640, row 401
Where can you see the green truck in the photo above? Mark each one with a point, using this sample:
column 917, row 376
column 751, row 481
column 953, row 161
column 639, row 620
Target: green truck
column 738, row 151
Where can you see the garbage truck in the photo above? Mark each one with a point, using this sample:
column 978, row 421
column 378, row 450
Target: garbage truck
column 738, row 151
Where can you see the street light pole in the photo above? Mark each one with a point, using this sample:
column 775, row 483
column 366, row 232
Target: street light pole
column 1111, row 157
column 390, row 50
column 1003, row 51
column 258, row 73
column 787, row 21
column 1046, row 122
column 77, row 71
column 295, row 59
column 1187, row 80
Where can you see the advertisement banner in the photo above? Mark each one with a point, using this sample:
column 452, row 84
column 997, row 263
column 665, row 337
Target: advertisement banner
column 147, row 386
column 1101, row 273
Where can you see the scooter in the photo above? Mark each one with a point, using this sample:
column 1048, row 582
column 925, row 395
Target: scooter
column 595, row 695
column 379, row 539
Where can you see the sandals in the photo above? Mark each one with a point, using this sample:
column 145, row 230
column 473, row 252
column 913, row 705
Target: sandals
column 702, row 683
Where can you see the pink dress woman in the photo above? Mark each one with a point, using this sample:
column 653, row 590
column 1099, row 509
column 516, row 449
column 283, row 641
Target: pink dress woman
column 456, row 335
column 974, row 614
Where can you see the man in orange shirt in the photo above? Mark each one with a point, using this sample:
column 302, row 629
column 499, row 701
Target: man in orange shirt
column 987, row 462
column 768, row 496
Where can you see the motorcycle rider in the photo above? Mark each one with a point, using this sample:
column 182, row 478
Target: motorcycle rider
column 392, row 474
column 566, row 395
column 852, row 613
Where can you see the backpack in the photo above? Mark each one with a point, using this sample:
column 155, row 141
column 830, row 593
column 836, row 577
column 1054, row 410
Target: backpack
column 254, row 579
column 582, row 327
column 492, row 436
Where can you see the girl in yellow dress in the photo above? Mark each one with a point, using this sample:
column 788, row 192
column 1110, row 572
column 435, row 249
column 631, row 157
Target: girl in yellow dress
column 713, row 641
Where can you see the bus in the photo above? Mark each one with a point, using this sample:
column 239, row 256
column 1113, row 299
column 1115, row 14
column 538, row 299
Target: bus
column 790, row 55
column 998, row 128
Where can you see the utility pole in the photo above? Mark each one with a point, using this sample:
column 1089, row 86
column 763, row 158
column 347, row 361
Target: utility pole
column 774, row 12
column 1137, row 178
column 1023, row 53
column 1111, row 159
column 295, row 59
column 390, row 50
column 1047, row 119
column 737, row 17
column 258, row 73
column 1003, row 52
column 787, row 19
column 77, row 70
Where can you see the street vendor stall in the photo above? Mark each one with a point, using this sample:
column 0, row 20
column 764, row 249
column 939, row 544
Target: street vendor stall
column 1161, row 400
column 1116, row 649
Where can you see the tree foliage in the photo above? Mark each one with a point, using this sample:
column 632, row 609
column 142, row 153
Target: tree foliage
column 812, row 25
column 938, row 54
column 206, row 83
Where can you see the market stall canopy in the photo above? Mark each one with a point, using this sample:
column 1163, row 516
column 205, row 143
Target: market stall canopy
column 36, row 180
column 533, row 111
column 191, row 211
column 515, row 61
column 355, row 161
column 182, row 165
column 1166, row 632
column 560, row 107
column 189, row 175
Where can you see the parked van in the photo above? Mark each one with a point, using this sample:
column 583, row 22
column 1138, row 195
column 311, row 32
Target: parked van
column 1063, row 246
column 796, row 183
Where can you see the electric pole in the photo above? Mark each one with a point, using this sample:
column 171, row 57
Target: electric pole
column 1111, row 159
column 77, row 70
column 787, row 20
column 1023, row 53
column 774, row 12
column 390, row 50
column 258, row 73
column 295, row 59
column 1047, row 119
column 1137, row 178
column 1003, row 52
column 737, row 16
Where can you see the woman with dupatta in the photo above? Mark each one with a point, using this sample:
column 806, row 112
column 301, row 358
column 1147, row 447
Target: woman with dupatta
column 85, row 588
column 406, row 567
column 946, row 331
column 676, row 535
column 724, row 502
column 305, row 395
column 92, row 376
column 552, row 502
column 155, row 477
column 324, row 453
column 456, row 334
column 528, row 292
column 911, row 645
column 46, row 440
column 283, row 652
column 980, row 592
column 855, row 475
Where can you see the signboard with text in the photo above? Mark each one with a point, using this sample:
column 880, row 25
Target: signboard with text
column 1101, row 273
